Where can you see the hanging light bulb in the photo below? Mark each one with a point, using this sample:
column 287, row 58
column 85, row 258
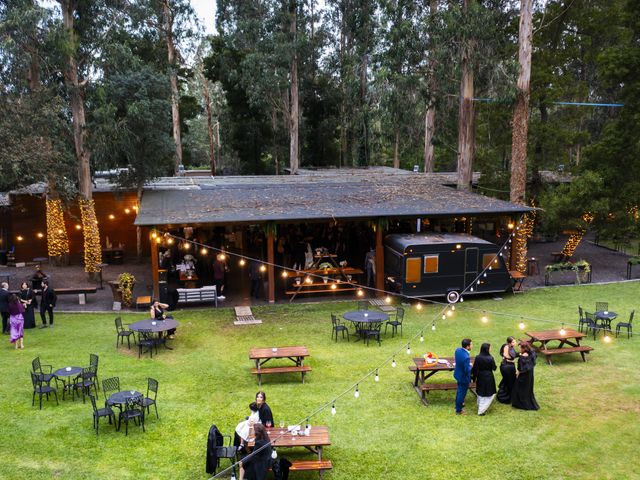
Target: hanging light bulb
column 285, row 274
column 433, row 326
column 393, row 362
column 222, row 257
column 562, row 331
column 263, row 268
column 377, row 377
column 360, row 292
column 357, row 392
column 471, row 289
column 521, row 326
column 204, row 251
column 408, row 349
column 242, row 262
column 484, row 319
column 233, row 475
column 187, row 246
column 170, row 241
column 308, row 280
column 607, row 339
column 333, row 409
column 418, row 306
column 387, row 299
column 274, row 454
column 444, row 317
column 449, row 313
column 154, row 234
column 333, row 286
column 484, row 274
column 461, row 299
column 421, row 337
column 453, row 307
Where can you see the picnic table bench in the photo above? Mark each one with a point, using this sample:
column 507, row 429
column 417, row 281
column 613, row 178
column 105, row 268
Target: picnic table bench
column 381, row 304
column 540, row 341
column 423, row 371
column 296, row 354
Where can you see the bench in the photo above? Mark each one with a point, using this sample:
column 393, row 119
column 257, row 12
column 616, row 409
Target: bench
column 244, row 316
column 433, row 387
column 310, row 465
column 144, row 301
column 80, row 291
column 268, row 370
column 198, row 295
column 582, row 349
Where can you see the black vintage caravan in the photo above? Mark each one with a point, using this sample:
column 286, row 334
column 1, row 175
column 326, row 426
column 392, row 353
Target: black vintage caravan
column 433, row 264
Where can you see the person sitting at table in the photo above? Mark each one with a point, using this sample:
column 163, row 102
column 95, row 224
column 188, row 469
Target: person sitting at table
column 264, row 412
column 157, row 312
column 523, row 396
column 256, row 465
column 243, row 428
column 508, row 370
column 482, row 373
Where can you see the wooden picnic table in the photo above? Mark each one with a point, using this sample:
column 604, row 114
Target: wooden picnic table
column 314, row 442
column 540, row 341
column 517, row 278
column 296, row 354
column 423, row 371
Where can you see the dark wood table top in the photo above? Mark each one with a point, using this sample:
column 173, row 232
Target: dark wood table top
column 546, row 335
column 281, row 352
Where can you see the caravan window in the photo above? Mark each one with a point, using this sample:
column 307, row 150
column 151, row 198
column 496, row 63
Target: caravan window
column 431, row 264
column 412, row 271
column 488, row 259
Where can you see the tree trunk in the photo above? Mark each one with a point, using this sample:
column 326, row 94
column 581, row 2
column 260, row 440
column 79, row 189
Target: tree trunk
column 396, row 148
column 466, row 126
column 173, row 79
column 294, row 161
column 207, row 106
column 520, row 131
column 91, row 233
column 138, row 229
column 430, row 116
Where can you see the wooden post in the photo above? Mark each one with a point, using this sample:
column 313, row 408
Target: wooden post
column 270, row 270
column 379, row 261
column 154, row 268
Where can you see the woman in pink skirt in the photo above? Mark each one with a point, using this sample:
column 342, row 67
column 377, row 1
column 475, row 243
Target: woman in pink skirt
column 16, row 321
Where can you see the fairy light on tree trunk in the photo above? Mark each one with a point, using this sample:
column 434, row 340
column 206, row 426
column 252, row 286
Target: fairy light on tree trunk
column 92, row 250
column 57, row 239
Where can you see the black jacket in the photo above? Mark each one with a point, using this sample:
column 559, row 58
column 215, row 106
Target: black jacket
column 214, row 440
column 4, row 300
column 49, row 297
column 257, row 465
column 264, row 412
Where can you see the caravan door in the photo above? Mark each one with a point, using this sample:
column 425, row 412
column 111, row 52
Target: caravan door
column 470, row 266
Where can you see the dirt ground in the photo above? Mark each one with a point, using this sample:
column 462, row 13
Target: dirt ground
column 607, row 266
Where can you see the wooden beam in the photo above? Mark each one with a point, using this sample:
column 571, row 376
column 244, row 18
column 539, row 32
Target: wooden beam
column 270, row 270
column 154, row 268
column 379, row 262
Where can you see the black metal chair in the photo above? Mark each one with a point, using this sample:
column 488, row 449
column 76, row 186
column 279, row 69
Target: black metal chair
column 152, row 386
column 146, row 339
column 372, row 331
column 93, row 361
column 133, row 411
column 109, row 386
column 101, row 412
column 41, row 388
column 39, row 369
column 337, row 326
column 396, row 322
column 582, row 321
column 228, row 451
column 363, row 304
column 628, row 325
column 84, row 382
column 602, row 306
column 590, row 320
column 122, row 334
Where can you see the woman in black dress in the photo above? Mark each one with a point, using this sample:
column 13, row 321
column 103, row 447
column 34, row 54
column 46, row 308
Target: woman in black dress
column 482, row 373
column 158, row 312
column 28, row 299
column 264, row 412
column 508, row 370
column 523, row 396
column 256, row 465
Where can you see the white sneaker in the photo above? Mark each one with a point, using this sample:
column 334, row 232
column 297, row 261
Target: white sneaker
column 221, row 297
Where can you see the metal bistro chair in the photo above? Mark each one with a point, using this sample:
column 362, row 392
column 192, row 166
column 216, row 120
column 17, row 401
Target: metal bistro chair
column 373, row 331
column 221, row 450
column 146, row 339
column 603, row 306
column 590, row 319
column 582, row 321
column 338, row 327
column 85, row 381
column 101, row 412
column 93, row 362
column 39, row 369
column 395, row 323
column 133, row 410
column 628, row 325
column 41, row 388
column 110, row 385
column 122, row 333
column 363, row 304
column 152, row 386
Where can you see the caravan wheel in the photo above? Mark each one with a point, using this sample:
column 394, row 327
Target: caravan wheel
column 453, row 296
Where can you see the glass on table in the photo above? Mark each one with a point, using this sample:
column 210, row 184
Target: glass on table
column 281, row 423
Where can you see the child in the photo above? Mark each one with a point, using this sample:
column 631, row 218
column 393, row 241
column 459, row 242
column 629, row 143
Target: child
column 244, row 427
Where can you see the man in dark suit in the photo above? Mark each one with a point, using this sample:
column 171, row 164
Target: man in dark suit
column 462, row 373
column 4, row 306
column 47, row 304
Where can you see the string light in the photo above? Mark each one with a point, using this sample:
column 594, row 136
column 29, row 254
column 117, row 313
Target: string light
column 40, row 234
column 19, row 238
column 393, row 362
column 284, row 274
column 453, row 307
column 521, row 326
column 357, row 392
column 433, row 326
column 57, row 243
column 78, row 227
column 222, row 257
column 154, row 234
column 92, row 248
column 419, row 306
column 333, row 286
column 387, row 299
column 242, row 262
column 444, row 317
column 186, row 246
column 377, row 377
column 562, row 332
column 127, row 211
column 112, row 217
column 274, row 454
column 607, row 339
column 408, row 349
column 484, row 319
column 333, row 409
column 263, row 268
column 170, row 241
column 422, row 337
column 449, row 313
column 360, row 293
column 308, row 280
column 204, row 251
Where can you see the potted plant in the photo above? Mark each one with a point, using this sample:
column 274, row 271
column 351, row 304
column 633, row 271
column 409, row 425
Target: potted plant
column 126, row 281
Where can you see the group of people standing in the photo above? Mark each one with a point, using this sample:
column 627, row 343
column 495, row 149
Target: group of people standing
column 516, row 386
column 18, row 310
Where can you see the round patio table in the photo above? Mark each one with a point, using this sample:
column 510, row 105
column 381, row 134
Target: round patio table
column 121, row 398
column 362, row 317
column 67, row 374
column 156, row 326
column 605, row 317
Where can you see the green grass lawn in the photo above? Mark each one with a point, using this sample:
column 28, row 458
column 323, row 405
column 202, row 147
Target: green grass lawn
column 587, row 427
